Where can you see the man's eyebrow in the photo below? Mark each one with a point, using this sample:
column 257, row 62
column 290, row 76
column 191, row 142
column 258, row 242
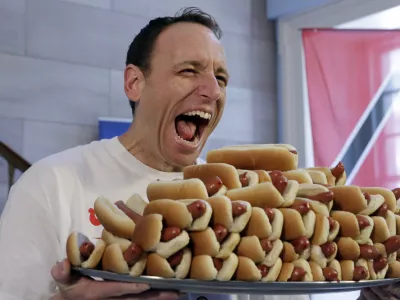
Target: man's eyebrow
column 223, row 71
column 198, row 64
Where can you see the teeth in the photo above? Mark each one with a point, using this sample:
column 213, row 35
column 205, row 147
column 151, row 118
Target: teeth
column 199, row 113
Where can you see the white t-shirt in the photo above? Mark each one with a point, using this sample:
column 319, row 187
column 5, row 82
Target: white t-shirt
column 55, row 197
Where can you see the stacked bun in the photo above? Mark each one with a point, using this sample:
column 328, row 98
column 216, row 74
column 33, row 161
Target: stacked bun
column 249, row 214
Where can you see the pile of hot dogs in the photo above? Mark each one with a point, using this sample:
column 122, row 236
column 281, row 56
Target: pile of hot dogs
column 249, row 214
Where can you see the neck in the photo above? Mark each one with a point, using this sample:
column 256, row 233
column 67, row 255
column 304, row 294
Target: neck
column 136, row 143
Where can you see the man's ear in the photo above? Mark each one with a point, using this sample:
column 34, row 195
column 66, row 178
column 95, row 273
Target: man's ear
column 133, row 82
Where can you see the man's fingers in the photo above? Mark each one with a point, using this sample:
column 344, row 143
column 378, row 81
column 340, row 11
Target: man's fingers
column 61, row 272
column 105, row 290
column 150, row 295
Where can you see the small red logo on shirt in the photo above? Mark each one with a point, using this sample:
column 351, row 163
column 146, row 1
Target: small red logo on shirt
column 92, row 217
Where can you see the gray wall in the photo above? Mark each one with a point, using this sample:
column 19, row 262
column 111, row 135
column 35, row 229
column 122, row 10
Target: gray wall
column 61, row 67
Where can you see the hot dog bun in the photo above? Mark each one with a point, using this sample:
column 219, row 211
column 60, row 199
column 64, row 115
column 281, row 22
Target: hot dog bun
column 136, row 204
column 318, row 177
column 254, row 157
column 350, row 198
column 350, row 273
column 148, row 234
column 393, row 270
column 260, row 225
column 390, row 199
column 289, row 253
column 203, row 268
column 249, row 177
column 288, row 268
column 110, row 239
column 113, row 261
column 295, row 225
column 77, row 241
column 263, row 176
column 247, row 270
column 323, row 232
column 332, row 272
column 228, row 245
column 205, row 242
column 349, row 226
column 381, row 231
column 175, row 190
column 113, row 219
column 318, row 253
column 224, row 209
column 378, row 267
column 265, row 195
column 251, row 247
column 321, row 194
column 335, row 176
column 299, row 175
column 159, row 266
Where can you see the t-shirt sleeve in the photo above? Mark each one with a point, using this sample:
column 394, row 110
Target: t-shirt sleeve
column 29, row 244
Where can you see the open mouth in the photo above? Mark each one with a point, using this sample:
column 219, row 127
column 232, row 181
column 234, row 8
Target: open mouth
column 191, row 125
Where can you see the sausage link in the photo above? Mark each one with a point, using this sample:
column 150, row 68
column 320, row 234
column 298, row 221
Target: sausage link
column 297, row 274
column 328, row 249
column 380, row 264
column 243, row 179
column 135, row 217
column 197, row 209
column 266, row 245
column 367, row 197
column 324, row 198
column 86, row 249
column 392, row 245
column 264, row 270
column 170, row 233
column 369, row 252
column 300, row 244
column 132, row 254
column 238, row 209
column 270, row 214
column 220, row 232
column 302, row 207
column 293, row 151
column 213, row 184
column 363, row 222
column 338, row 171
column 330, row 274
column 175, row 259
column 382, row 210
column 279, row 181
column 360, row 273
column 396, row 193
column 218, row 263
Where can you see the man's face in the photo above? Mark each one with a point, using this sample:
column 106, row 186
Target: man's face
column 184, row 95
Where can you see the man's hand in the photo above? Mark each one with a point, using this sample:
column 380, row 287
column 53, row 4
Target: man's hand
column 389, row 292
column 84, row 288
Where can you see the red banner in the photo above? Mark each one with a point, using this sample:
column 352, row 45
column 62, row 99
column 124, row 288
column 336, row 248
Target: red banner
column 353, row 80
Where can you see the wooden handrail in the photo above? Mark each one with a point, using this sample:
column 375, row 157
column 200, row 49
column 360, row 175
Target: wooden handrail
column 14, row 160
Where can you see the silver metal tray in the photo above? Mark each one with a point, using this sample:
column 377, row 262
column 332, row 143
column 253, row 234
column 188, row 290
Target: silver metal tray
column 238, row 287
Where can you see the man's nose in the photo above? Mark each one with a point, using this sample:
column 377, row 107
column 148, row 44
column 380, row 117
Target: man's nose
column 209, row 88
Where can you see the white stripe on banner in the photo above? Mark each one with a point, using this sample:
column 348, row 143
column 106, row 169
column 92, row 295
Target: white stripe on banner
column 371, row 142
column 361, row 121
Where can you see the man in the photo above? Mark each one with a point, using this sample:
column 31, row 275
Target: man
column 175, row 66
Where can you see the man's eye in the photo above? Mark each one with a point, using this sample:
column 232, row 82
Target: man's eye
column 222, row 79
column 193, row 71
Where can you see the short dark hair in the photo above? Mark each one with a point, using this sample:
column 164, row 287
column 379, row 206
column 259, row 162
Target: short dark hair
column 141, row 48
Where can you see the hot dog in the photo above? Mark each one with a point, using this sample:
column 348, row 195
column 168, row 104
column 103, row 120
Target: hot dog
column 204, row 267
column 113, row 219
column 298, row 270
column 326, row 230
column 258, row 249
column 233, row 215
column 299, row 175
column 81, row 252
column 248, row 270
column 248, row 178
column 124, row 259
column 332, row 272
column 321, row 196
column 298, row 248
column 357, row 227
column 318, row 177
column 299, row 220
column 267, row 157
column 265, row 223
column 175, row 266
column 354, row 271
column 379, row 266
column 384, row 226
column 393, row 270
column 335, row 176
column 277, row 193
column 217, row 177
column 110, row 239
column 151, row 235
column 205, row 242
column 190, row 214
column 388, row 195
column 175, row 190
column 350, row 198
column 323, row 254
column 348, row 249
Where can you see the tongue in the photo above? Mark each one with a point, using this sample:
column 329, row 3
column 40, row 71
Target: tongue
column 185, row 129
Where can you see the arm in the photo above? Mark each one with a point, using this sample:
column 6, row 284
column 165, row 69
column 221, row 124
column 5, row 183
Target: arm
column 28, row 241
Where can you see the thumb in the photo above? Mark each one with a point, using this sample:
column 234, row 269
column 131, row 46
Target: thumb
column 61, row 272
